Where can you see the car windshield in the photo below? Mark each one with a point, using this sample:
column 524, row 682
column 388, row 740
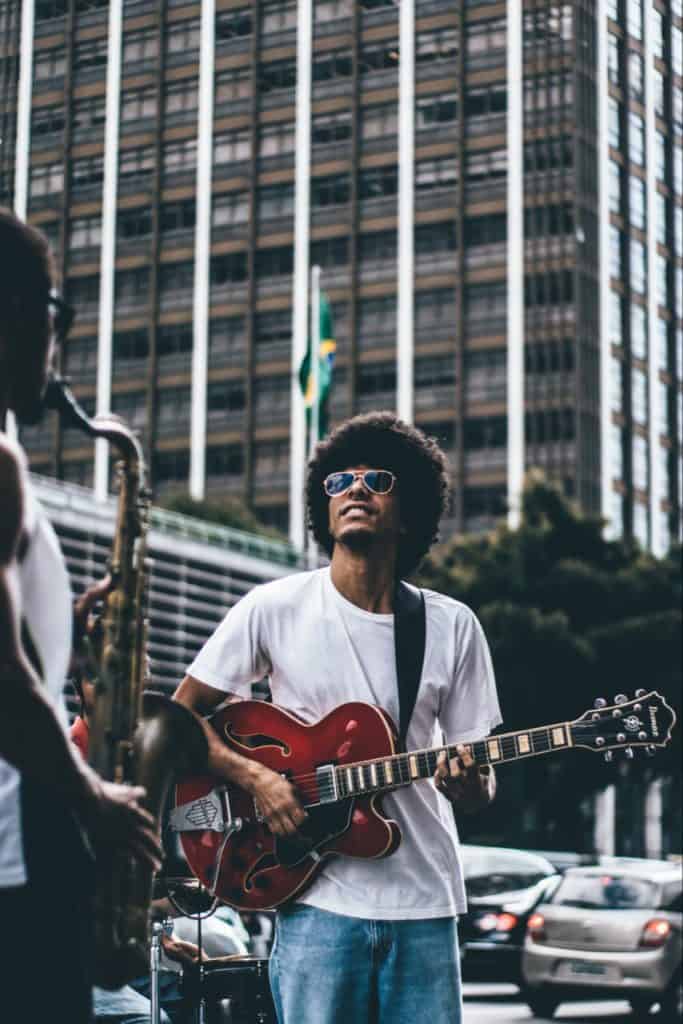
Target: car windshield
column 487, row 874
column 605, row 892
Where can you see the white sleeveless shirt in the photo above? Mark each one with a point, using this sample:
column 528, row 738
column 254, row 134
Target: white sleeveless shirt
column 45, row 595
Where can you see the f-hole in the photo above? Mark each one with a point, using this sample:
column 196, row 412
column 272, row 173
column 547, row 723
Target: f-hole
column 254, row 740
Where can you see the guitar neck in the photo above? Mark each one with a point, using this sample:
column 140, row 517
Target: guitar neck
column 388, row 773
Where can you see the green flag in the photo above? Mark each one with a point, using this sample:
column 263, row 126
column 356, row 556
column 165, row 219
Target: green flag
column 328, row 347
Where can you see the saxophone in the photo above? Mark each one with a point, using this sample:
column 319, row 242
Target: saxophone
column 138, row 738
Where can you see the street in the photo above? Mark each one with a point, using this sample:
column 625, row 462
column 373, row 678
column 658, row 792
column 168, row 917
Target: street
column 500, row 1004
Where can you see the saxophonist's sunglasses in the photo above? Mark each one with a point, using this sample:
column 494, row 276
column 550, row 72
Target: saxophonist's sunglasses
column 379, row 481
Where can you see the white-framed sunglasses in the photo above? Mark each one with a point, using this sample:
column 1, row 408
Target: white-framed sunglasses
column 379, row 481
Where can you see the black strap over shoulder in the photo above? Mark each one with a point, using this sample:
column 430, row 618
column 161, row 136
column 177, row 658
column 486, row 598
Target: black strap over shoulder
column 409, row 642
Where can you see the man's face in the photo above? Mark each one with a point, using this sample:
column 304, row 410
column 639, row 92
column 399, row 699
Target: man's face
column 360, row 519
column 31, row 353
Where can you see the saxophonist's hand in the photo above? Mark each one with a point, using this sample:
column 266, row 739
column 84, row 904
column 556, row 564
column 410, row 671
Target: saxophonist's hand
column 116, row 821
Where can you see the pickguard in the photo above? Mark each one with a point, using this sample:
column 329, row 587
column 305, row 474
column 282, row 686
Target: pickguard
column 323, row 823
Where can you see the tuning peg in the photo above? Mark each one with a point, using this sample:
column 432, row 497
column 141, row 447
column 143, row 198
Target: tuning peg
column 640, row 693
column 651, row 750
column 620, row 698
column 629, row 753
column 621, row 737
column 642, row 736
column 600, row 702
column 600, row 741
column 608, row 756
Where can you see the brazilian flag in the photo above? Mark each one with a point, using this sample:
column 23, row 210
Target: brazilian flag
column 328, row 347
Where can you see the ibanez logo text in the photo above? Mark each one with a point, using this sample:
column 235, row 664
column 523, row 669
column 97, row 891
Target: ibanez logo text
column 653, row 721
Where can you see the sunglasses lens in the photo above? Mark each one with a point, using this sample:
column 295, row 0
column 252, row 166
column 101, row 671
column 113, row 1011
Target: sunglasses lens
column 337, row 483
column 379, row 480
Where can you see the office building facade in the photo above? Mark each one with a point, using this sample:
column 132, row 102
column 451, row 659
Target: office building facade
column 492, row 191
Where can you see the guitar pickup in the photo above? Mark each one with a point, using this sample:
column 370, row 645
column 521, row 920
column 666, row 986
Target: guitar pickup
column 326, row 781
column 210, row 812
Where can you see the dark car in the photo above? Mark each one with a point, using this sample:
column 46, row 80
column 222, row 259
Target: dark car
column 503, row 888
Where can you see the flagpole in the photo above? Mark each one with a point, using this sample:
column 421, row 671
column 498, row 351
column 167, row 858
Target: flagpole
column 315, row 384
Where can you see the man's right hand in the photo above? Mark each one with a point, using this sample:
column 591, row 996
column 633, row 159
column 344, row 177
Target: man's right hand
column 276, row 801
column 114, row 818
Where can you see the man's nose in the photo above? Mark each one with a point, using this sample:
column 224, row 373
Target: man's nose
column 358, row 486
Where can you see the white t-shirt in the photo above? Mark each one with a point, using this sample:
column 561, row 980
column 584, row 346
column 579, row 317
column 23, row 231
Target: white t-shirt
column 45, row 596
column 320, row 650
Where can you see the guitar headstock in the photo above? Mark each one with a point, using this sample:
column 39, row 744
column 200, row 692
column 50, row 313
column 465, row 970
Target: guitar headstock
column 625, row 725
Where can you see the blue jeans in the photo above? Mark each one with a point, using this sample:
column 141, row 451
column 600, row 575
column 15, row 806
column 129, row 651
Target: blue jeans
column 330, row 969
column 123, row 1006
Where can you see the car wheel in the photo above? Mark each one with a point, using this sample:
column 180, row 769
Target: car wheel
column 672, row 1001
column 541, row 1004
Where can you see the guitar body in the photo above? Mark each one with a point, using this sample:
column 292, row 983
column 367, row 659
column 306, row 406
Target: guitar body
column 251, row 868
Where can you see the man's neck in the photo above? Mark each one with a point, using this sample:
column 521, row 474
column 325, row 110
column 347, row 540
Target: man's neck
column 365, row 579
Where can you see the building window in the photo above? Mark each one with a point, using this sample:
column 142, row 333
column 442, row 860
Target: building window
column 271, row 394
column 634, row 18
column 330, row 128
column 229, row 208
column 130, row 344
column 275, row 262
column 483, row 505
column 330, row 252
column 435, row 372
column 377, row 247
column 180, row 96
column 85, row 232
column 180, row 155
column 639, row 396
column 486, row 375
column 332, row 10
column 486, row 230
column 486, row 301
column 485, row 37
column 90, row 53
column 636, row 138
column 173, row 410
column 170, row 466
column 273, row 327
column 176, row 277
column 84, row 292
column 278, row 16
column 636, row 195
column 656, row 26
column 485, row 165
column 140, row 46
column 231, row 147
column 431, row 239
column 662, row 344
column 614, row 186
column 87, row 170
column 225, row 460
column 660, row 156
column 437, row 44
column 48, row 9
column 436, row 110
column 661, row 281
column 227, row 335
column 232, row 84
column 135, row 163
column 47, row 120
column 615, row 319
column 49, row 64
column 138, row 103
column 276, row 139
column 616, row 384
column 614, row 131
column 378, row 182
column 481, row 102
column 228, row 266
column 276, row 201
column 47, row 179
column 613, row 52
column 677, row 50
column 88, row 113
column 271, row 461
column 131, row 406
column 435, row 308
column 376, row 379
column 233, row 24
column 436, row 174
column 174, row 339
column 379, row 120
column 382, row 57
column 658, row 90
column 638, row 267
column 182, row 36
column 663, row 407
column 135, row 223
column 376, row 317
column 179, row 216
column 334, row 190
column 280, row 74
column 640, row 463
column 638, row 331
column 614, row 252
column 636, row 87
column 131, row 286
column 616, row 452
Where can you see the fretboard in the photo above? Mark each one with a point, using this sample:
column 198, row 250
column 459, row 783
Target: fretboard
column 387, row 773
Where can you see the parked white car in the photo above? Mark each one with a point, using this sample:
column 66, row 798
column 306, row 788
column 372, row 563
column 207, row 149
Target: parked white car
column 608, row 932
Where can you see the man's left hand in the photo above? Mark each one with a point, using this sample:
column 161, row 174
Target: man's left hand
column 467, row 785
column 182, row 952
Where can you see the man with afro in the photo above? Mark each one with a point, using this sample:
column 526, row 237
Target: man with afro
column 371, row 940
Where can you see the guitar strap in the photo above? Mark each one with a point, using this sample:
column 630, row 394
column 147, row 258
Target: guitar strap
column 409, row 643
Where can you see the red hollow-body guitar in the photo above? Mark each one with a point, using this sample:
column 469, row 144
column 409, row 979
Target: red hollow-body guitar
column 340, row 767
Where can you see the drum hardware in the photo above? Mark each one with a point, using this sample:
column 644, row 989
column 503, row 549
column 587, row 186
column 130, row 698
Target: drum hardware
column 154, row 962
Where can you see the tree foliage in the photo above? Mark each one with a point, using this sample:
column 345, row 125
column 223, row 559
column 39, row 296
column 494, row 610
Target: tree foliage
column 224, row 512
column 569, row 616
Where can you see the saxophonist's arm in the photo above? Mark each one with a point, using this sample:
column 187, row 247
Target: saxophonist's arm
column 31, row 737
column 274, row 795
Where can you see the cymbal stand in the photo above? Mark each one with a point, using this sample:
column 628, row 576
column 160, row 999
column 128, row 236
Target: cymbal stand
column 154, row 964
